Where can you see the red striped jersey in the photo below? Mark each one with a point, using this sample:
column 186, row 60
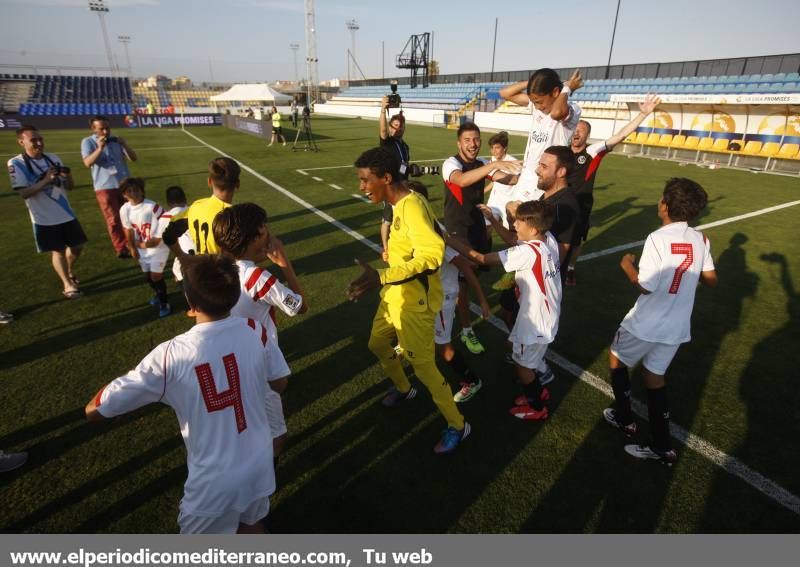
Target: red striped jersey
column 142, row 218
column 538, row 279
column 586, row 164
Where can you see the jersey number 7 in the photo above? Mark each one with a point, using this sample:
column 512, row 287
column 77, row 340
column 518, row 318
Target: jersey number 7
column 685, row 250
column 216, row 401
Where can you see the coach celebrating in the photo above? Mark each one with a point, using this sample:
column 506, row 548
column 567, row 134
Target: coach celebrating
column 43, row 181
column 106, row 155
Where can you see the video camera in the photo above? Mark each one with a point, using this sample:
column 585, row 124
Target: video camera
column 60, row 170
column 394, row 98
column 416, row 170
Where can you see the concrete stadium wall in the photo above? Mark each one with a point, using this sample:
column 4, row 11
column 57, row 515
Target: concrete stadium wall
column 414, row 115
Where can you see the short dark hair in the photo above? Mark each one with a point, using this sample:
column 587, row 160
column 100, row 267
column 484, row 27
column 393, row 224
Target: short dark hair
column 211, row 283
column 130, row 182
column 537, row 214
column 418, row 187
column 399, row 117
column 467, row 127
column 26, row 128
column 380, row 161
column 237, row 226
column 588, row 126
column 499, row 138
column 565, row 157
column 224, row 173
column 175, row 195
column 97, row 118
column 685, row 199
column 543, row 81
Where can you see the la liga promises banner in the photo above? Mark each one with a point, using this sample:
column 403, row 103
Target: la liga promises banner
column 171, row 120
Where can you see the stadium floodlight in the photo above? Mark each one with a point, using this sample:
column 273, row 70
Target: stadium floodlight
column 294, row 47
column 100, row 8
column 125, row 40
column 353, row 26
column 312, row 62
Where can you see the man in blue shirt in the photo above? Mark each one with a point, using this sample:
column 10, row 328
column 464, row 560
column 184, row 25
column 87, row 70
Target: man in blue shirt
column 106, row 156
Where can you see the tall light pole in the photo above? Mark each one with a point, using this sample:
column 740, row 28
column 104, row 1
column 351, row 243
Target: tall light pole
column 312, row 62
column 353, row 26
column 125, row 40
column 99, row 6
column 611, row 47
column 294, row 47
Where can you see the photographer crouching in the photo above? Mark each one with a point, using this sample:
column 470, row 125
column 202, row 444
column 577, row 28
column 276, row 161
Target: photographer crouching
column 106, row 155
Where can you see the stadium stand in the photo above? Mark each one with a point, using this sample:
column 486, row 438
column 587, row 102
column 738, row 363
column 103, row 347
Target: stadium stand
column 179, row 98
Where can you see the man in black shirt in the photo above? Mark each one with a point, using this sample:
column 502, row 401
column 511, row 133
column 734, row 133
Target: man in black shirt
column 391, row 136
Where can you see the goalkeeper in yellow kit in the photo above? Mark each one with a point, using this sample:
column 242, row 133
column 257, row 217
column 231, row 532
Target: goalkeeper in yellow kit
column 411, row 292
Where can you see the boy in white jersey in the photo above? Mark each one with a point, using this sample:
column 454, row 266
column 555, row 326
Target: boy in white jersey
column 553, row 121
column 176, row 204
column 501, row 194
column 213, row 377
column 453, row 265
column 675, row 258
column 140, row 221
column 535, row 262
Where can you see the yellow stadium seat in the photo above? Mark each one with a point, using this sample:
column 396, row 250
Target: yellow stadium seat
column 769, row 149
column 631, row 138
column 789, row 151
column 678, row 141
column 752, row 147
column 705, row 143
column 652, row 139
column 720, row 145
column 665, row 140
column 691, row 143
column 641, row 138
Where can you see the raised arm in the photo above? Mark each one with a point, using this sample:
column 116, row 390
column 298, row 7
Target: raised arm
column 516, row 93
column 383, row 127
column 649, row 105
column 560, row 110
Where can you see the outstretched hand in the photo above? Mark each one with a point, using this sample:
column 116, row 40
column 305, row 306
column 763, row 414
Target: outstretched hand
column 650, row 103
column 367, row 281
column 575, row 81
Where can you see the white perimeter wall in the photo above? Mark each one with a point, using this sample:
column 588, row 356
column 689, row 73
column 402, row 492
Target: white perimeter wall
column 416, row 115
column 602, row 128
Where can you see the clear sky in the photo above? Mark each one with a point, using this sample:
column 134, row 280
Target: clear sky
column 248, row 40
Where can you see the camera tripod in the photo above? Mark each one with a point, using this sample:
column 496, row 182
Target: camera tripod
column 307, row 144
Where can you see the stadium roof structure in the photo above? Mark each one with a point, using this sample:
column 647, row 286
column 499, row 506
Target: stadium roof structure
column 251, row 92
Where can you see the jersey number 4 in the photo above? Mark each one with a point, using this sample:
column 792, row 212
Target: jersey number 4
column 681, row 249
column 232, row 397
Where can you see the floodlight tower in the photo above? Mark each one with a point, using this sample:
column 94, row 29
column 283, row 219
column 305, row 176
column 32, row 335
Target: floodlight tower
column 99, row 6
column 353, row 26
column 125, row 40
column 294, row 47
column 312, row 62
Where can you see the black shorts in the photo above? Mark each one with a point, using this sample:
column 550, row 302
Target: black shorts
column 475, row 235
column 57, row 237
column 277, row 130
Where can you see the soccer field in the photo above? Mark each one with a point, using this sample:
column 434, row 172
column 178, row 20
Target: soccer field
column 353, row 466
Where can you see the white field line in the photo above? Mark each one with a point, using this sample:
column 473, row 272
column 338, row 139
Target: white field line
column 360, row 198
column 317, row 178
column 305, row 169
column 720, row 222
column 70, row 152
column 729, row 464
column 301, row 171
column 335, row 186
column 357, row 236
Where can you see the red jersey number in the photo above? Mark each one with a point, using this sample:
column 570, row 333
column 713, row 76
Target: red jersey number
column 681, row 249
column 232, row 397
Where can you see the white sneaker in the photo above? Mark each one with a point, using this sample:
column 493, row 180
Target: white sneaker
column 11, row 461
column 645, row 452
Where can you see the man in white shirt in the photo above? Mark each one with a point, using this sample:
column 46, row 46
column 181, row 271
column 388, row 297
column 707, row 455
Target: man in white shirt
column 553, row 121
column 213, row 377
column 675, row 258
column 42, row 181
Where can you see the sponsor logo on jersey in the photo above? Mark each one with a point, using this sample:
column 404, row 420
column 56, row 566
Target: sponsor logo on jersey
column 397, row 223
column 291, row 302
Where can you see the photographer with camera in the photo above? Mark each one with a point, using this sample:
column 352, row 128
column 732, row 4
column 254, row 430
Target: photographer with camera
column 106, row 157
column 391, row 137
column 42, row 181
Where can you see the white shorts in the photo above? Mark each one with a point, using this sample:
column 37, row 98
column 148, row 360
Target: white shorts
column 274, row 405
column 529, row 356
column 277, row 366
column 443, row 325
column 630, row 350
column 227, row 522
column 154, row 262
column 499, row 197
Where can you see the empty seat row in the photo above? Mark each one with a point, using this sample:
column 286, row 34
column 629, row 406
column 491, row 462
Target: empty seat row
column 73, row 109
column 711, row 144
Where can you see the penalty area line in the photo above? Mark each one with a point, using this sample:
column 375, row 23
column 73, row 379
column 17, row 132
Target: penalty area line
column 729, row 464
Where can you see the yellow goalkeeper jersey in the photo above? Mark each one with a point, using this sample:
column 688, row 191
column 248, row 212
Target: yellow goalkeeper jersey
column 415, row 254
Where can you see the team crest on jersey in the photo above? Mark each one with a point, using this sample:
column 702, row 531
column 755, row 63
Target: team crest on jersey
column 581, row 160
column 291, row 302
column 397, row 223
column 11, row 169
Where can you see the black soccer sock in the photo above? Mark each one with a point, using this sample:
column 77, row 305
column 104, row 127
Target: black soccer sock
column 621, row 384
column 149, row 280
column 533, row 392
column 658, row 412
column 160, row 288
column 459, row 365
